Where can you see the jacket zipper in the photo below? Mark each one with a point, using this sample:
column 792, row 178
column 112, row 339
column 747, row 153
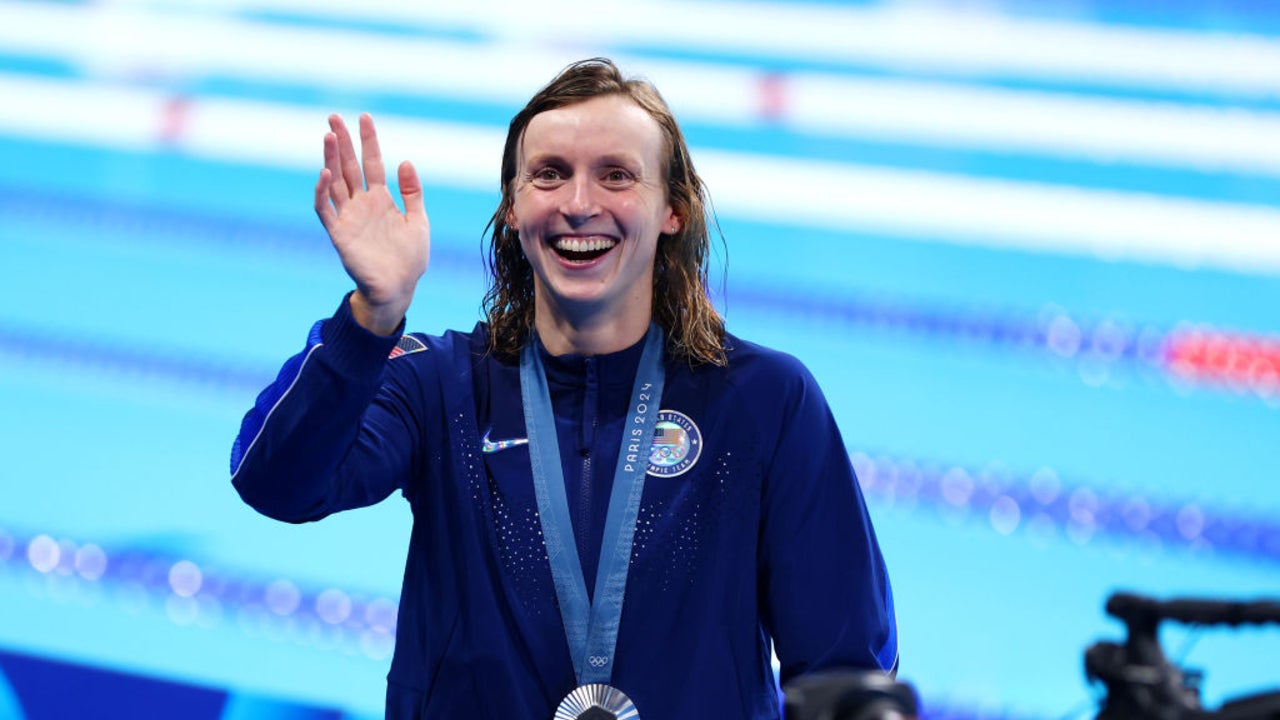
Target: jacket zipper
column 590, row 413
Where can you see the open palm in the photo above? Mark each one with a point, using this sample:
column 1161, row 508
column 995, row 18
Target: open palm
column 384, row 250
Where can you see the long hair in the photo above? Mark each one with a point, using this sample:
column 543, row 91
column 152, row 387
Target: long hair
column 681, row 304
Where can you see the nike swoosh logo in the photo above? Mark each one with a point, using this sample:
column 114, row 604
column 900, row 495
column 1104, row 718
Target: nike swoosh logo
column 493, row 446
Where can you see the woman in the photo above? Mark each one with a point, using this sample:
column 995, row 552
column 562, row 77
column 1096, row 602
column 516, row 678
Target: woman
column 619, row 508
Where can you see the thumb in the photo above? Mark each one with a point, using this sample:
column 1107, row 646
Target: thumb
column 410, row 189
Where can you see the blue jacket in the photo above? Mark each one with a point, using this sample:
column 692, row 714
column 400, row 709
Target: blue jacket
column 761, row 542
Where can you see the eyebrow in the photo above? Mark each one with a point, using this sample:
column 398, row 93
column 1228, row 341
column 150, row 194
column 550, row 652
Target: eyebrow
column 625, row 160
column 607, row 160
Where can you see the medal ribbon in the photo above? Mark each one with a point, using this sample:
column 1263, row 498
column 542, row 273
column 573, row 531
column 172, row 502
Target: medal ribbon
column 591, row 628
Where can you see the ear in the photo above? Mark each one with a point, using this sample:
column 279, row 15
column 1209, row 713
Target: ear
column 673, row 224
column 511, row 218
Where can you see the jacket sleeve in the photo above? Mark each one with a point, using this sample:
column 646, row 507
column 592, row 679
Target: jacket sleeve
column 825, row 591
column 334, row 431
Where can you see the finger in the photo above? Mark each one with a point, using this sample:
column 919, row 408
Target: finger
column 411, row 189
column 374, row 173
column 347, row 155
column 324, row 208
column 338, row 191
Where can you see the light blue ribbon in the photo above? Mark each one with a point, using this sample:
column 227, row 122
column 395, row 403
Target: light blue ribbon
column 591, row 629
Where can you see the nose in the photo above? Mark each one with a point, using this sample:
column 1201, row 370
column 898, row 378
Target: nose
column 579, row 202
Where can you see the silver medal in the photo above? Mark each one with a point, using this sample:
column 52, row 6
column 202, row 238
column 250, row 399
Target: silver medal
column 596, row 702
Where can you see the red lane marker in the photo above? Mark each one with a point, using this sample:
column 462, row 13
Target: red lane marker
column 772, row 96
column 174, row 119
column 1249, row 363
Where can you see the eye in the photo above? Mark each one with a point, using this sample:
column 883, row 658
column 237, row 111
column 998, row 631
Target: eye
column 618, row 176
column 547, row 175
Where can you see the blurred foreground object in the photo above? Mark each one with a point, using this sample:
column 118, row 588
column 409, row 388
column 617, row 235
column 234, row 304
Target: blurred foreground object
column 849, row 695
column 1141, row 683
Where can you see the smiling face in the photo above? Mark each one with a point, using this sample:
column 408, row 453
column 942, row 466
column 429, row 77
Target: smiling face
column 589, row 203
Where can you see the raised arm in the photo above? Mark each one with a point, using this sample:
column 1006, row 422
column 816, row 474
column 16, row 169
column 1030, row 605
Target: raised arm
column 384, row 250
column 334, row 431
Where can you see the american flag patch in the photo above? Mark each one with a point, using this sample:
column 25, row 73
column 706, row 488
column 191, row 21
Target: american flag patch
column 408, row 344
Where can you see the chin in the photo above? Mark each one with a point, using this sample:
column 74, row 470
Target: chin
column 579, row 297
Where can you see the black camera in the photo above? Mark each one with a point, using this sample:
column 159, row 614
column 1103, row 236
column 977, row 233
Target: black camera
column 1141, row 684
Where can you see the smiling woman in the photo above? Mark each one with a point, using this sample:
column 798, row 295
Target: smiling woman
column 665, row 505
column 590, row 204
column 594, row 100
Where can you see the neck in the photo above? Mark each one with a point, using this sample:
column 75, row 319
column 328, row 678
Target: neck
column 563, row 333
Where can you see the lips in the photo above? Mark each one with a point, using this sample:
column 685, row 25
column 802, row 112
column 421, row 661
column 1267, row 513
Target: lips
column 582, row 249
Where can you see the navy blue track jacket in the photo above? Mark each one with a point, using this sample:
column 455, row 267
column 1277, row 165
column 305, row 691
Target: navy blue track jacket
column 761, row 542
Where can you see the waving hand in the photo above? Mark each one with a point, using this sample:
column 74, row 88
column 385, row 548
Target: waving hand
column 385, row 251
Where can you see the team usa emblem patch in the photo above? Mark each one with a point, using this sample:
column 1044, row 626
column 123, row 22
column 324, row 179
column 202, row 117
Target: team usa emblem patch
column 677, row 444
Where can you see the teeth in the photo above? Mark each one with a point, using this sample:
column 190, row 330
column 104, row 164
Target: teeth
column 588, row 245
